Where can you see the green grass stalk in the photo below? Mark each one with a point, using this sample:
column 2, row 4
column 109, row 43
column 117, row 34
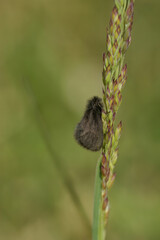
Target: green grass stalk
column 114, row 78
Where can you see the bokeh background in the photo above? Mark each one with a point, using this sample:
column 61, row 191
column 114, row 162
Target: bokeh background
column 55, row 47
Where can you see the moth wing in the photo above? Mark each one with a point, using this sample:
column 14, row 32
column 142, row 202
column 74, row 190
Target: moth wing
column 89, row 135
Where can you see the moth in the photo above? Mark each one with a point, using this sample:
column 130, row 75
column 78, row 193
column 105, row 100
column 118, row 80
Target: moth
column 89, row 131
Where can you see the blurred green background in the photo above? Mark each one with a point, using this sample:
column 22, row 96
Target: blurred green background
column 57, row 46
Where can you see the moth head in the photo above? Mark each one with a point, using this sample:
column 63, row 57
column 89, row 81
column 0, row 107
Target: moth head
column 95, row 105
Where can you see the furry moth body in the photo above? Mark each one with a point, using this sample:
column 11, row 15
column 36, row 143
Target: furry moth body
column 89, row 131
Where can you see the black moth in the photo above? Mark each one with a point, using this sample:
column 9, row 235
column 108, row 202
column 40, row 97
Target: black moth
column 89, row 131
